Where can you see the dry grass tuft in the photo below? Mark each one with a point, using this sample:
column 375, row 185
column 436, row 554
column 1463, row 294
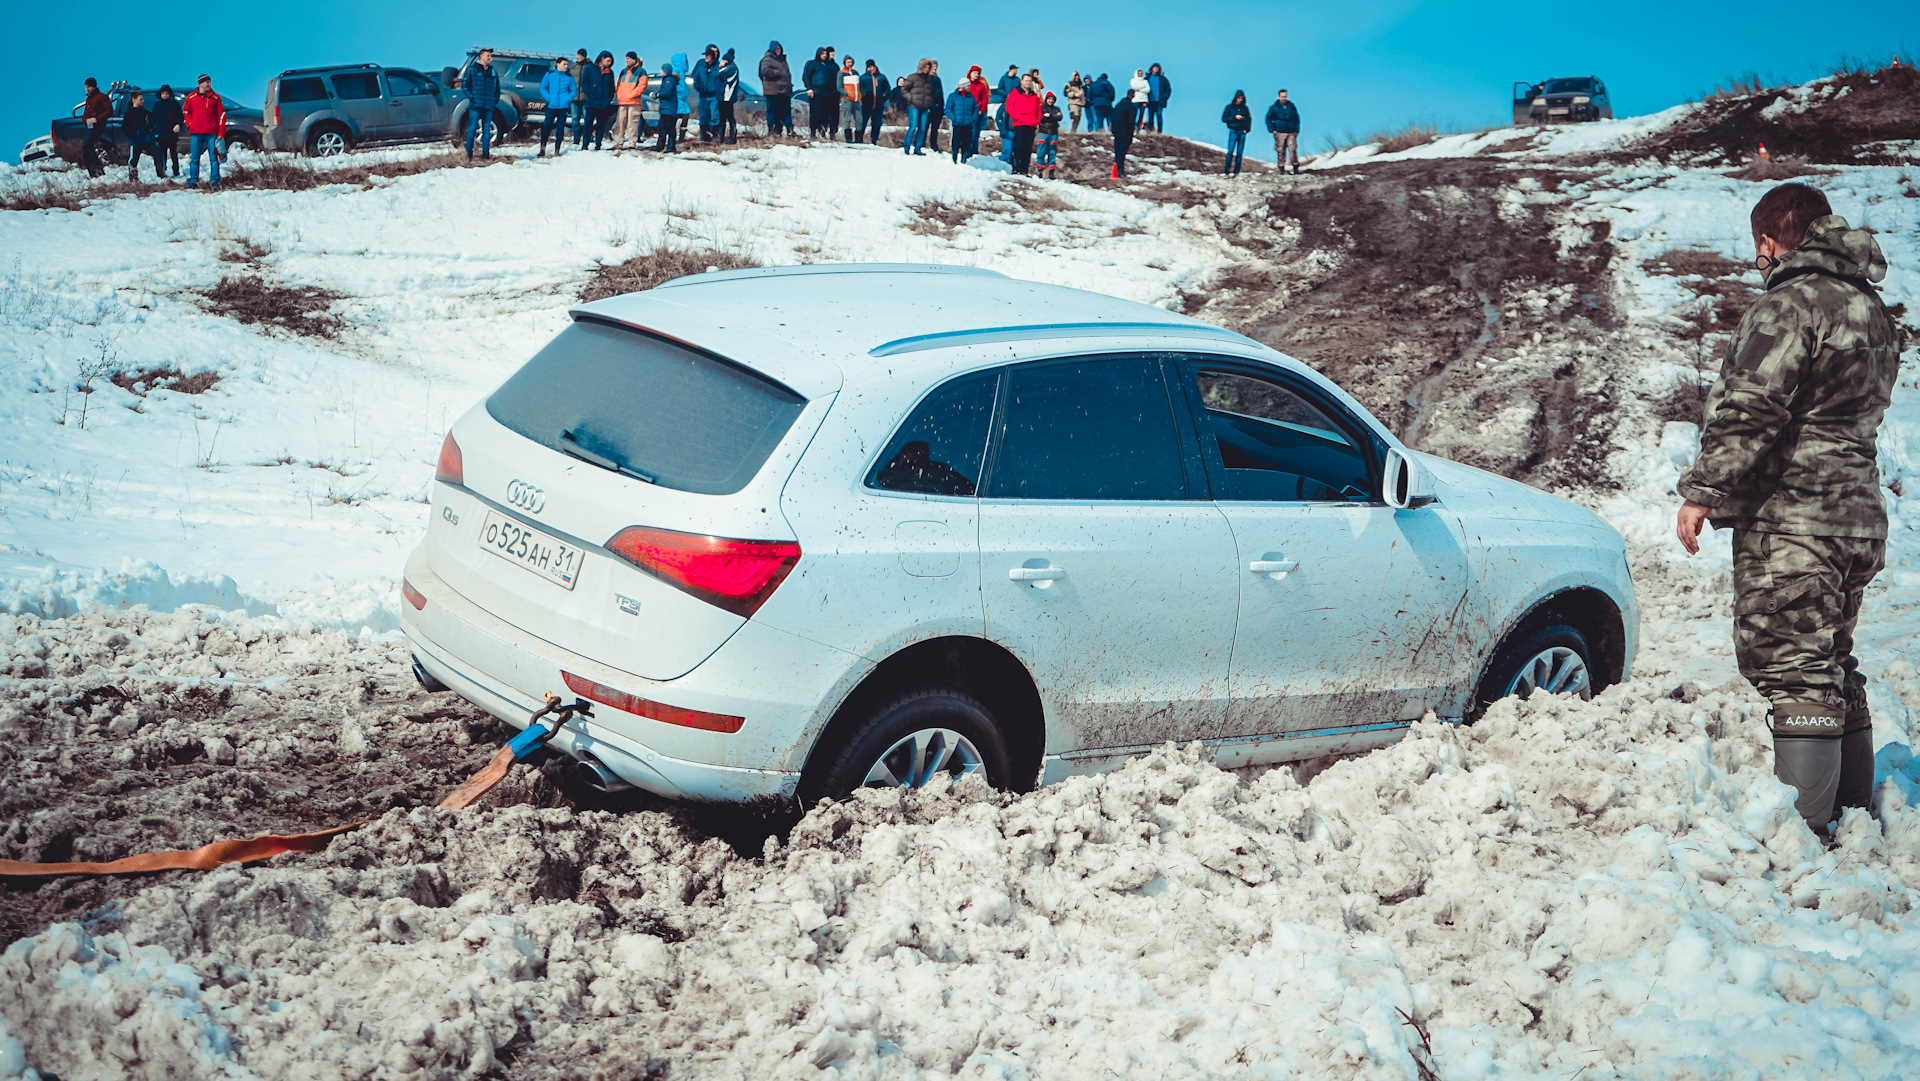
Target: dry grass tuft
column 1780, row 168
column 144, row 381
column 304, row 310
column 1035, row 199
column 645, row 271
column 934, row 218
column 1686, row 261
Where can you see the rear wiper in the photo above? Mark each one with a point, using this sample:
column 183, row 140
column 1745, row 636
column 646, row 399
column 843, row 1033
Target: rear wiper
column 575, row 450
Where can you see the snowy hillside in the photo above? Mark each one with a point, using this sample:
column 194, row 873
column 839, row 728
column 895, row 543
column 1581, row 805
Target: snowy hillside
column 218, row 420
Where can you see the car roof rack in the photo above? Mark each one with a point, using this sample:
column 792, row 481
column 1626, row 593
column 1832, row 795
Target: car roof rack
column 325, row 67
column 989, row 335
column 511, row 54
column 815, row 269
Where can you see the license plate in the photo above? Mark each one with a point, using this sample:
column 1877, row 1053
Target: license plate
column 554, row 560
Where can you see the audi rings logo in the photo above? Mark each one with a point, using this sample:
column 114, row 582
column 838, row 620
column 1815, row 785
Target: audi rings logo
column 526, row 496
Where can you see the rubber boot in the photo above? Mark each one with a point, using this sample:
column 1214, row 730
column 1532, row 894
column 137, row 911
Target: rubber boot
column 1810, row 764
column 1856, row 762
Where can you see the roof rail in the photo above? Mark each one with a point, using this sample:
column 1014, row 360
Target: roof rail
column 987, row 335
column 510, row 54
column 327, row 67
column 814, row 269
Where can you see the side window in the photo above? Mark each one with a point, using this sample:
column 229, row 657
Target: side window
column 1275, row 444
column 1088, row 429
column 293, row 91
column 402, row 83
column 939, row 450
column 356, row 87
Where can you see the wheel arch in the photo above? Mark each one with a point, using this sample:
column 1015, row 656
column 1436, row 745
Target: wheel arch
column 1588, row 610
column 978, row 667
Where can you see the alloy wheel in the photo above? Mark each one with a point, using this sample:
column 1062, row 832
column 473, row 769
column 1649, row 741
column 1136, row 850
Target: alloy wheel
column 1555, row 670
column 329, row 143
column 914, row 759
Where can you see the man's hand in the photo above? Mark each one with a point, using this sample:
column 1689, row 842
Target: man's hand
column 1692, row 517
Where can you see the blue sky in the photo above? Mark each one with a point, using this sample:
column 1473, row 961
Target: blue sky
column 1351, row 67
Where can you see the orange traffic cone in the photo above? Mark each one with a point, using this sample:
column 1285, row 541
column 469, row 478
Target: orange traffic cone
column 1115, row 175
column 1764, row 156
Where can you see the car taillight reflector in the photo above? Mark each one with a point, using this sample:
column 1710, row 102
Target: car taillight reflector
column 414, row 596
column 656, row 711
column 737, row 575
column 450, row 468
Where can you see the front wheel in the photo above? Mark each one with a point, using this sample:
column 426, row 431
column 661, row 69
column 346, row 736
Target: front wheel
column 906, row 742
column 1554, row 658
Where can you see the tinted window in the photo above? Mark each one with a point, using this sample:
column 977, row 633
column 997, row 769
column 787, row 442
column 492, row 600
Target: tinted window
column 296, row 90
column 1094, row 429
column 407, row 82
column 938, row 451
column 670, row 414
column 356, row 87
column 1276, row 445
column 533, row 73
column 1568, row 86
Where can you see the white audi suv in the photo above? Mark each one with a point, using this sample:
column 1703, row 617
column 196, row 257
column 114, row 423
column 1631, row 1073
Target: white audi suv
column 797, row 530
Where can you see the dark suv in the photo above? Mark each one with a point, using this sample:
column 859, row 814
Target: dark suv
column 1561, row 101
column 69, row 134
column 331, row 110
column 520, row 75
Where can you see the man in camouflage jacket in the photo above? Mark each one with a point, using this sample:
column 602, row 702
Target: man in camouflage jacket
column 1788, row 461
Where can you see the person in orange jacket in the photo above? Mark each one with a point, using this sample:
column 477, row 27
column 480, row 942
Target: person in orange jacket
column 629, row 92
column 206, row 117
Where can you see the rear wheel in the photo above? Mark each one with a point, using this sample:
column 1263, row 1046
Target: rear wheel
column 326, row 142
column 1553, row 658
column 908, row 740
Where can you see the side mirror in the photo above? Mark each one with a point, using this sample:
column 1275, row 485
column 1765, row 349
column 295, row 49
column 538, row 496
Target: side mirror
column 1408, row 484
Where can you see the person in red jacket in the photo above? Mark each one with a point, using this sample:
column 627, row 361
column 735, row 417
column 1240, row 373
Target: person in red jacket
column 1023, row 116
column 97, row 110
column 206, row 117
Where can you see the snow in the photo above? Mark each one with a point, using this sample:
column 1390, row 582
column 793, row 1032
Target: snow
column 1609, row 889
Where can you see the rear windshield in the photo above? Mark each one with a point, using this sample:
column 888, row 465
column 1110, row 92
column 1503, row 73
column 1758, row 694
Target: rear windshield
column 298, row 90
column 649, row 407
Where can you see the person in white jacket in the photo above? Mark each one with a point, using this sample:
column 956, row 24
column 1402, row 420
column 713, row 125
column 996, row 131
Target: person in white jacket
column 1138, row 94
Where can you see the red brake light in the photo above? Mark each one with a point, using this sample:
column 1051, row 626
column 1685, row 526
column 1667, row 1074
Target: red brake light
column 450, row 469
column 738, row 575
column 414, row 596
column 658, row 711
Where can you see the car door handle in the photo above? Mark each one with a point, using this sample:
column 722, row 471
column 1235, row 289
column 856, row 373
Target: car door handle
column 1035, row 574
column 1273, row 566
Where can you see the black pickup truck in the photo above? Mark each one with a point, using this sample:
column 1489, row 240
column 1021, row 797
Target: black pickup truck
column 70, row 132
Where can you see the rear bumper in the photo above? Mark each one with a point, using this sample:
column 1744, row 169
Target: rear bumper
column 779, row 682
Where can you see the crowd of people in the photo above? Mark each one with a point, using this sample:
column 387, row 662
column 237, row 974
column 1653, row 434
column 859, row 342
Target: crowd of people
column 605, row 107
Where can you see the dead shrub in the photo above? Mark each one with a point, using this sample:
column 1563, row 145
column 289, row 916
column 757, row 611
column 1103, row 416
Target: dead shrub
column 144, row 381
column 53, row 195
column 1739, row 86
column 302, row 309
column 245, row 250
column 1781, row 168
column 1037, row 200
column 934, row 218
column 1392, row 142
column 1685, row 262
column 643, row 272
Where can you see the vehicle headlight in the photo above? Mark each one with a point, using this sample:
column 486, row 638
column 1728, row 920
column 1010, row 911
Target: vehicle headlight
column 1582, row 100
column 1539, row 101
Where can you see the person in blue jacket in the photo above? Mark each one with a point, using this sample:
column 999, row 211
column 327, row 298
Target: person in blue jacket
column 482, row 84
column 963, row 111
column 821, row 79
column 729, row 94
column 597, row 83
column 1100, row 103
column 874, row 90
column 1283, row 120
column 1239, row 120
column 669, row 138
column 557, row 90
column 1159, row 92
column 706, row 83
column 1008, row 84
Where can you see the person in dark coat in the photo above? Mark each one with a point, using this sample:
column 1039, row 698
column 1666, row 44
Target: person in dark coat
column 918, row 89
column 95, row 112
column 822, row 82
column 597, row 85
column 483, row 96
column 874, row 90
column 668, row 140
column 168, row 123
column 706, row 81
column 1046, row 144
column 937, row 114
column 776, row 82
column 137, row 126
column 729, row 94
column 1123, row 120
column 964, row 110
column 1239, row 120
column 1283, row 120
column 1100, row 100
column 1159, row 92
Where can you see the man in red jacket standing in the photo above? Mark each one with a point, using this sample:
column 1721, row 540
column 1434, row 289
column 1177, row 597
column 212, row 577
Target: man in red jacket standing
column 206, row 117
column 97, row 110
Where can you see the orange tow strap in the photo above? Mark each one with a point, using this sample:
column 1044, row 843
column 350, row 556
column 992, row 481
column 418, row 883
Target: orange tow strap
column 207, row 857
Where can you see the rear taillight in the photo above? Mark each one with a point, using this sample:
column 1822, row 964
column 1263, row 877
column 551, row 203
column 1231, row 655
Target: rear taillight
column 414, row 596
column 276, row 116
column 657, row 711
column 450, row 469
column 737, row 575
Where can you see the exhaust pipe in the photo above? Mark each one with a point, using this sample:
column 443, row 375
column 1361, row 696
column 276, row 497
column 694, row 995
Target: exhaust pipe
column 597, row 776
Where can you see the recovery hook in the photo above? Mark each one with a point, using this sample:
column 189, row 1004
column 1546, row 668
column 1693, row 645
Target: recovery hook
column 543, row 724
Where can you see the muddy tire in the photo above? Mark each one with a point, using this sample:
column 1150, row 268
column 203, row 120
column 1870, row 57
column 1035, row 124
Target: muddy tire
column 1554, row 658
column 904, row 741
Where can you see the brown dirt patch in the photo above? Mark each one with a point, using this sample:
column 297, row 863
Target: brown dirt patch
column 1877, row 107
column 304, row 310
column 144, row 381
column 643, row 272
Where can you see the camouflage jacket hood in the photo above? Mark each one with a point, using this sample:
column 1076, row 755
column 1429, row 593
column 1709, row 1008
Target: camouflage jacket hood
column 1790, row 439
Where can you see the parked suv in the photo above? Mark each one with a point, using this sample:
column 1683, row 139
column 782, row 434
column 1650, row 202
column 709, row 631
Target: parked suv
column 69, row 134
column 330, row 110
column 773, row 552
column 520, row 75
column 1561, row 101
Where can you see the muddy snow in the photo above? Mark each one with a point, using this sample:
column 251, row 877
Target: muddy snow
column 195, row 644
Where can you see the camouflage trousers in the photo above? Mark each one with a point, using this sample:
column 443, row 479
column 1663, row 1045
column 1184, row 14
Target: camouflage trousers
column 1796, row 600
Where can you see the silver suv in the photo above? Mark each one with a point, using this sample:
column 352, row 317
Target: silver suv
column 330, row 110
